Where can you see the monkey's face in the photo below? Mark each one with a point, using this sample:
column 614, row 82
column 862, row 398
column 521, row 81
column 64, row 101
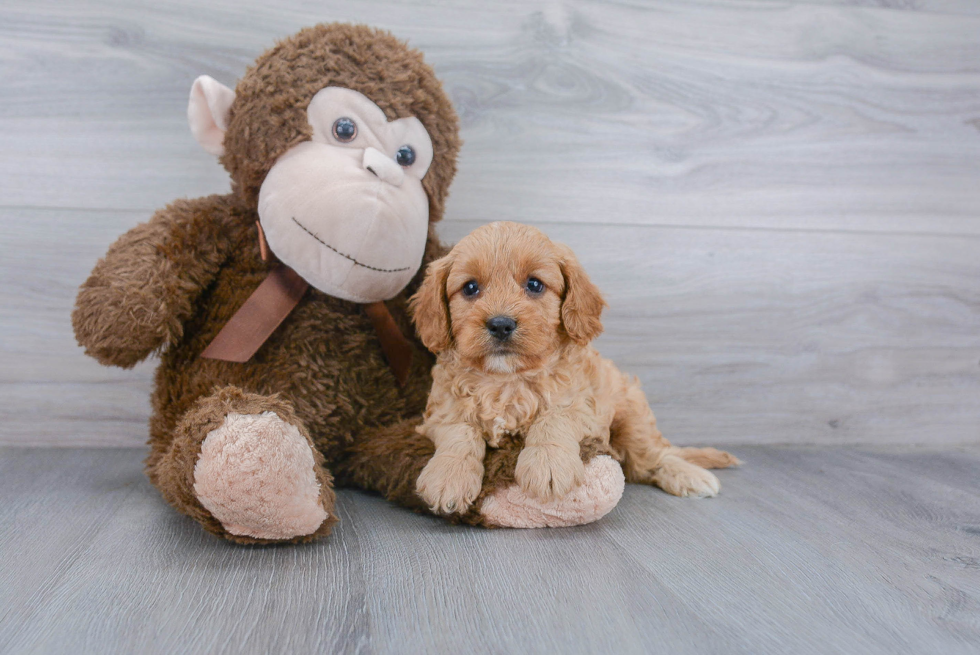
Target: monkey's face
column 346, row 210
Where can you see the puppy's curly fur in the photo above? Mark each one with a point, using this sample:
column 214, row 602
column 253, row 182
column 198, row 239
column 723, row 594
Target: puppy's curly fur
column 532, row 374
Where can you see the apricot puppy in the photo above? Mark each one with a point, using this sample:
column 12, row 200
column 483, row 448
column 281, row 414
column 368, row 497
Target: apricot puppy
column 510, row 315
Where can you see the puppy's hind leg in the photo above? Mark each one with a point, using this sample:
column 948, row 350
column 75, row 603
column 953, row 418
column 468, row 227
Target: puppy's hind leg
column 647, row 457
column 709, row 458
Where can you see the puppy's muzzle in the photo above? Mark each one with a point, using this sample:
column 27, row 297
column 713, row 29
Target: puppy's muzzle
column 501, row 327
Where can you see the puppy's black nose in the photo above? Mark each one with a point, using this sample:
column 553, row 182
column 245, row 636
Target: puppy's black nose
column 501, row 327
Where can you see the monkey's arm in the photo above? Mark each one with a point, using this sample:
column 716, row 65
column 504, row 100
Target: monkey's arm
column 138, row 297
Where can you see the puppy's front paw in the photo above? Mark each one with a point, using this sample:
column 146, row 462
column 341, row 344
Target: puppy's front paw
column 548, row 472
column 450, row 484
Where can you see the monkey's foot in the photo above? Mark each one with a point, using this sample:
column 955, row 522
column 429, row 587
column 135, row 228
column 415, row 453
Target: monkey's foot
column 588, row 502
column 256, row 475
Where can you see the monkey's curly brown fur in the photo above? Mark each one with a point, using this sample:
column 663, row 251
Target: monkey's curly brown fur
column 169, row 285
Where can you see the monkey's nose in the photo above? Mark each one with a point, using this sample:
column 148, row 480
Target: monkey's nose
column 386, row 168
column 501, row 327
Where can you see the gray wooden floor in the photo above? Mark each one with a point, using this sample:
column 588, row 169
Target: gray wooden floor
column 844, row 550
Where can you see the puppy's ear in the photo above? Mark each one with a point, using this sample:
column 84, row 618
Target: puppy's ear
column 581, row 308
column 430, row 306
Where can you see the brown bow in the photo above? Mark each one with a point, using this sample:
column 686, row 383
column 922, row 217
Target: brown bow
column 271, row 303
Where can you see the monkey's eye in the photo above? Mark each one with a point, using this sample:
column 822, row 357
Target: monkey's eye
column 344, row 130
column 405, row 156
column 471, row 288
column 534, row 286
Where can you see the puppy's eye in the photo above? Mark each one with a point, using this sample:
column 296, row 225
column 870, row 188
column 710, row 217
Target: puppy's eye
column 471, row 288
column 534, row 285
column 405, row 156
column 344, row 130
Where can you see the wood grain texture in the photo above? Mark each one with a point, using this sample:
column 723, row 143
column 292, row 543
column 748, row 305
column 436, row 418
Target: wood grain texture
column 778, row 198
column 805, row 551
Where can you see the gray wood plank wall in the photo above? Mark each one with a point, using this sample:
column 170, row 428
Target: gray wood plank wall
column 781, row 200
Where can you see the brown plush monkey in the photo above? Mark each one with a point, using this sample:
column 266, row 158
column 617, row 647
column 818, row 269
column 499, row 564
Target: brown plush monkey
column 280, row 345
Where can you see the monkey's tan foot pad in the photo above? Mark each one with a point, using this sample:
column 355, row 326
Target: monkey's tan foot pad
column 593, row 499
column 256, row 475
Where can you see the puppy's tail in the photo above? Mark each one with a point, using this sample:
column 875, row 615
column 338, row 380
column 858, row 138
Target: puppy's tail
column 709, row 458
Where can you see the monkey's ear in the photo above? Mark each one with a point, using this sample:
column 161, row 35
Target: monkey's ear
column 430, row 306
column 207, row 112
column 581, row 308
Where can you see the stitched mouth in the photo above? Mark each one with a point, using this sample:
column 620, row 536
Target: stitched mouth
column 346, row 256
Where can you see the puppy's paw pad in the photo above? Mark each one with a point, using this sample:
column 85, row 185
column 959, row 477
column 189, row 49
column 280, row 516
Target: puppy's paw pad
column 450, row 484
column 548, row 472
column 256, row 475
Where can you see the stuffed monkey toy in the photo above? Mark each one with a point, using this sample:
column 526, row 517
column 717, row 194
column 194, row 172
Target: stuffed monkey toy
column 287, row 358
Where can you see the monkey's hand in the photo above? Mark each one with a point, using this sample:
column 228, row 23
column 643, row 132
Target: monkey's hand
column 137, row 298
